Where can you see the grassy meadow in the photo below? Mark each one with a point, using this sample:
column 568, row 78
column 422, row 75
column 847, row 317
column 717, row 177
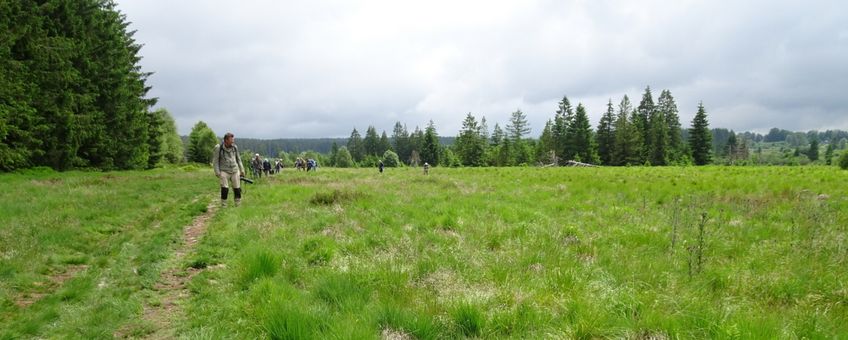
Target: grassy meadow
column 643, row 253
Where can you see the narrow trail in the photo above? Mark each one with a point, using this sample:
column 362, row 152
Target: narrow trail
column 172, row 290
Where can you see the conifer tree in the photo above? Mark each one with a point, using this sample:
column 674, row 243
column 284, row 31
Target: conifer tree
column 431, row 148
column 355, row 146
column 700, row 138
column 626, row 149
column 606, row 135
column 582, row 138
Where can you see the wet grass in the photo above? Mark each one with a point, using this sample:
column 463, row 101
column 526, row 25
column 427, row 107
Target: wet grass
column 715, row 252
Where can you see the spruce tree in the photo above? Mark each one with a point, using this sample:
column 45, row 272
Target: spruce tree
column 642, row 122
column 371, row 143
column 563, row 139
column 606, row 135
column 582, row 138
column 700, row 138
column 431, row 148
column 813, row 152
column 470, row 145
column 668, row 107
column 355, row 146
column 497, row 135
column 626, row 151
column 384, row 145
column 828, row 154
column 400, row 141
column 546, row 144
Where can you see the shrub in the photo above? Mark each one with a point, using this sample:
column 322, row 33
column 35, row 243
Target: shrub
column 390, row 159
column 843, row 160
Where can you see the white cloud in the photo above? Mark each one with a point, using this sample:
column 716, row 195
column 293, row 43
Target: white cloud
column 273, row 69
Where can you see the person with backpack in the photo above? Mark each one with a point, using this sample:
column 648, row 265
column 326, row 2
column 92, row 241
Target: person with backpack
column 228, row 168
column 256, row 164
column 380, row 165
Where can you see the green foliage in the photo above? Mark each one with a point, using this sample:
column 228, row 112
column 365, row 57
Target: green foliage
column 813, row 152
column 371, row 143
column 700, row 139
column 172, row 144
column 470, row 145
column 431, row 148
column 73, row 92
column 582, row 139
column 843, row 160
column 343, row 159
column 356, row 146
column 390, row 159
column 627, row 142
column 201, row 141
column 606, row 136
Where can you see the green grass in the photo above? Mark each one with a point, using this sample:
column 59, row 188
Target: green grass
column 86, row 248
column 480, row 253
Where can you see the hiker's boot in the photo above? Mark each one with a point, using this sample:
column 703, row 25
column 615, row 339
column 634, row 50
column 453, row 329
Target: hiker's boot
column 237, row 192
column 224, row 194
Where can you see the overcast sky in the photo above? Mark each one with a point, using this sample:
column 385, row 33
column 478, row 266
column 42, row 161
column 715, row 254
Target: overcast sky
column 283, row 69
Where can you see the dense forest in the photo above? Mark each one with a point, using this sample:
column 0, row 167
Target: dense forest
column 72, row 93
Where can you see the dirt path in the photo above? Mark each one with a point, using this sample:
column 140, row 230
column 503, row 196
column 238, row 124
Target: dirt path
column 172, row 286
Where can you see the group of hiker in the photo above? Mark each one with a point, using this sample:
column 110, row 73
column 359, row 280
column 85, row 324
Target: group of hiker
column 228, row 167
column 261, row 166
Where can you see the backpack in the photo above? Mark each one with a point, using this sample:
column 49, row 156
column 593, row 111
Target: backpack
column 221, row 152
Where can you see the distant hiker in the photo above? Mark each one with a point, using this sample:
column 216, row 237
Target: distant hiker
column 227, row 165
column 380, row 165
column 277, row 166
column 311, row 165
column 426, row 168
column 266, row 165
column 256, row 165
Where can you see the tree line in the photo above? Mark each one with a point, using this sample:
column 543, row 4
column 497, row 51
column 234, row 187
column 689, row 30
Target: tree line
column 72, row 93
column 649, row 133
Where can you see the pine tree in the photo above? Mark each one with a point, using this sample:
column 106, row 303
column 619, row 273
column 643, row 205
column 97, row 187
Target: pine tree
column 470, row 145
column 371, row 143
column 518, row 126
column 583, row 140
column 384, row 145
column 497, row 135
column 400, row 140
column 626, row 150
column 828, row 154
column 355, row 146
column 606, row 135
column 645, row 111
column 658, row 126
column 813, row 152
column 731, row 148
column 431, row 148
column 545, row 146
column 562, row 139
column 700, row 138
column 668, row 107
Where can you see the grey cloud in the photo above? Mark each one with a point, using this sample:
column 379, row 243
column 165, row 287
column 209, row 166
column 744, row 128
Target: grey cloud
column 273, row 69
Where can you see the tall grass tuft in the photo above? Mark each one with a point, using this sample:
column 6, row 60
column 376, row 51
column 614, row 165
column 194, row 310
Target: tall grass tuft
column 468, row 319
column 257, row 263
column 284, row 320
column 341, row 291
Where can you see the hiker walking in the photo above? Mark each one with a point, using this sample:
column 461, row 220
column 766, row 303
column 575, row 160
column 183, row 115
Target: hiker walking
column 256, row 165
column 227, row 165
column 426, row 168
column 266, row 166
column 380, row 165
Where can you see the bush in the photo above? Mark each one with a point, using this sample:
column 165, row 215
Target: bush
column 391, row 159
column 843, row 160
